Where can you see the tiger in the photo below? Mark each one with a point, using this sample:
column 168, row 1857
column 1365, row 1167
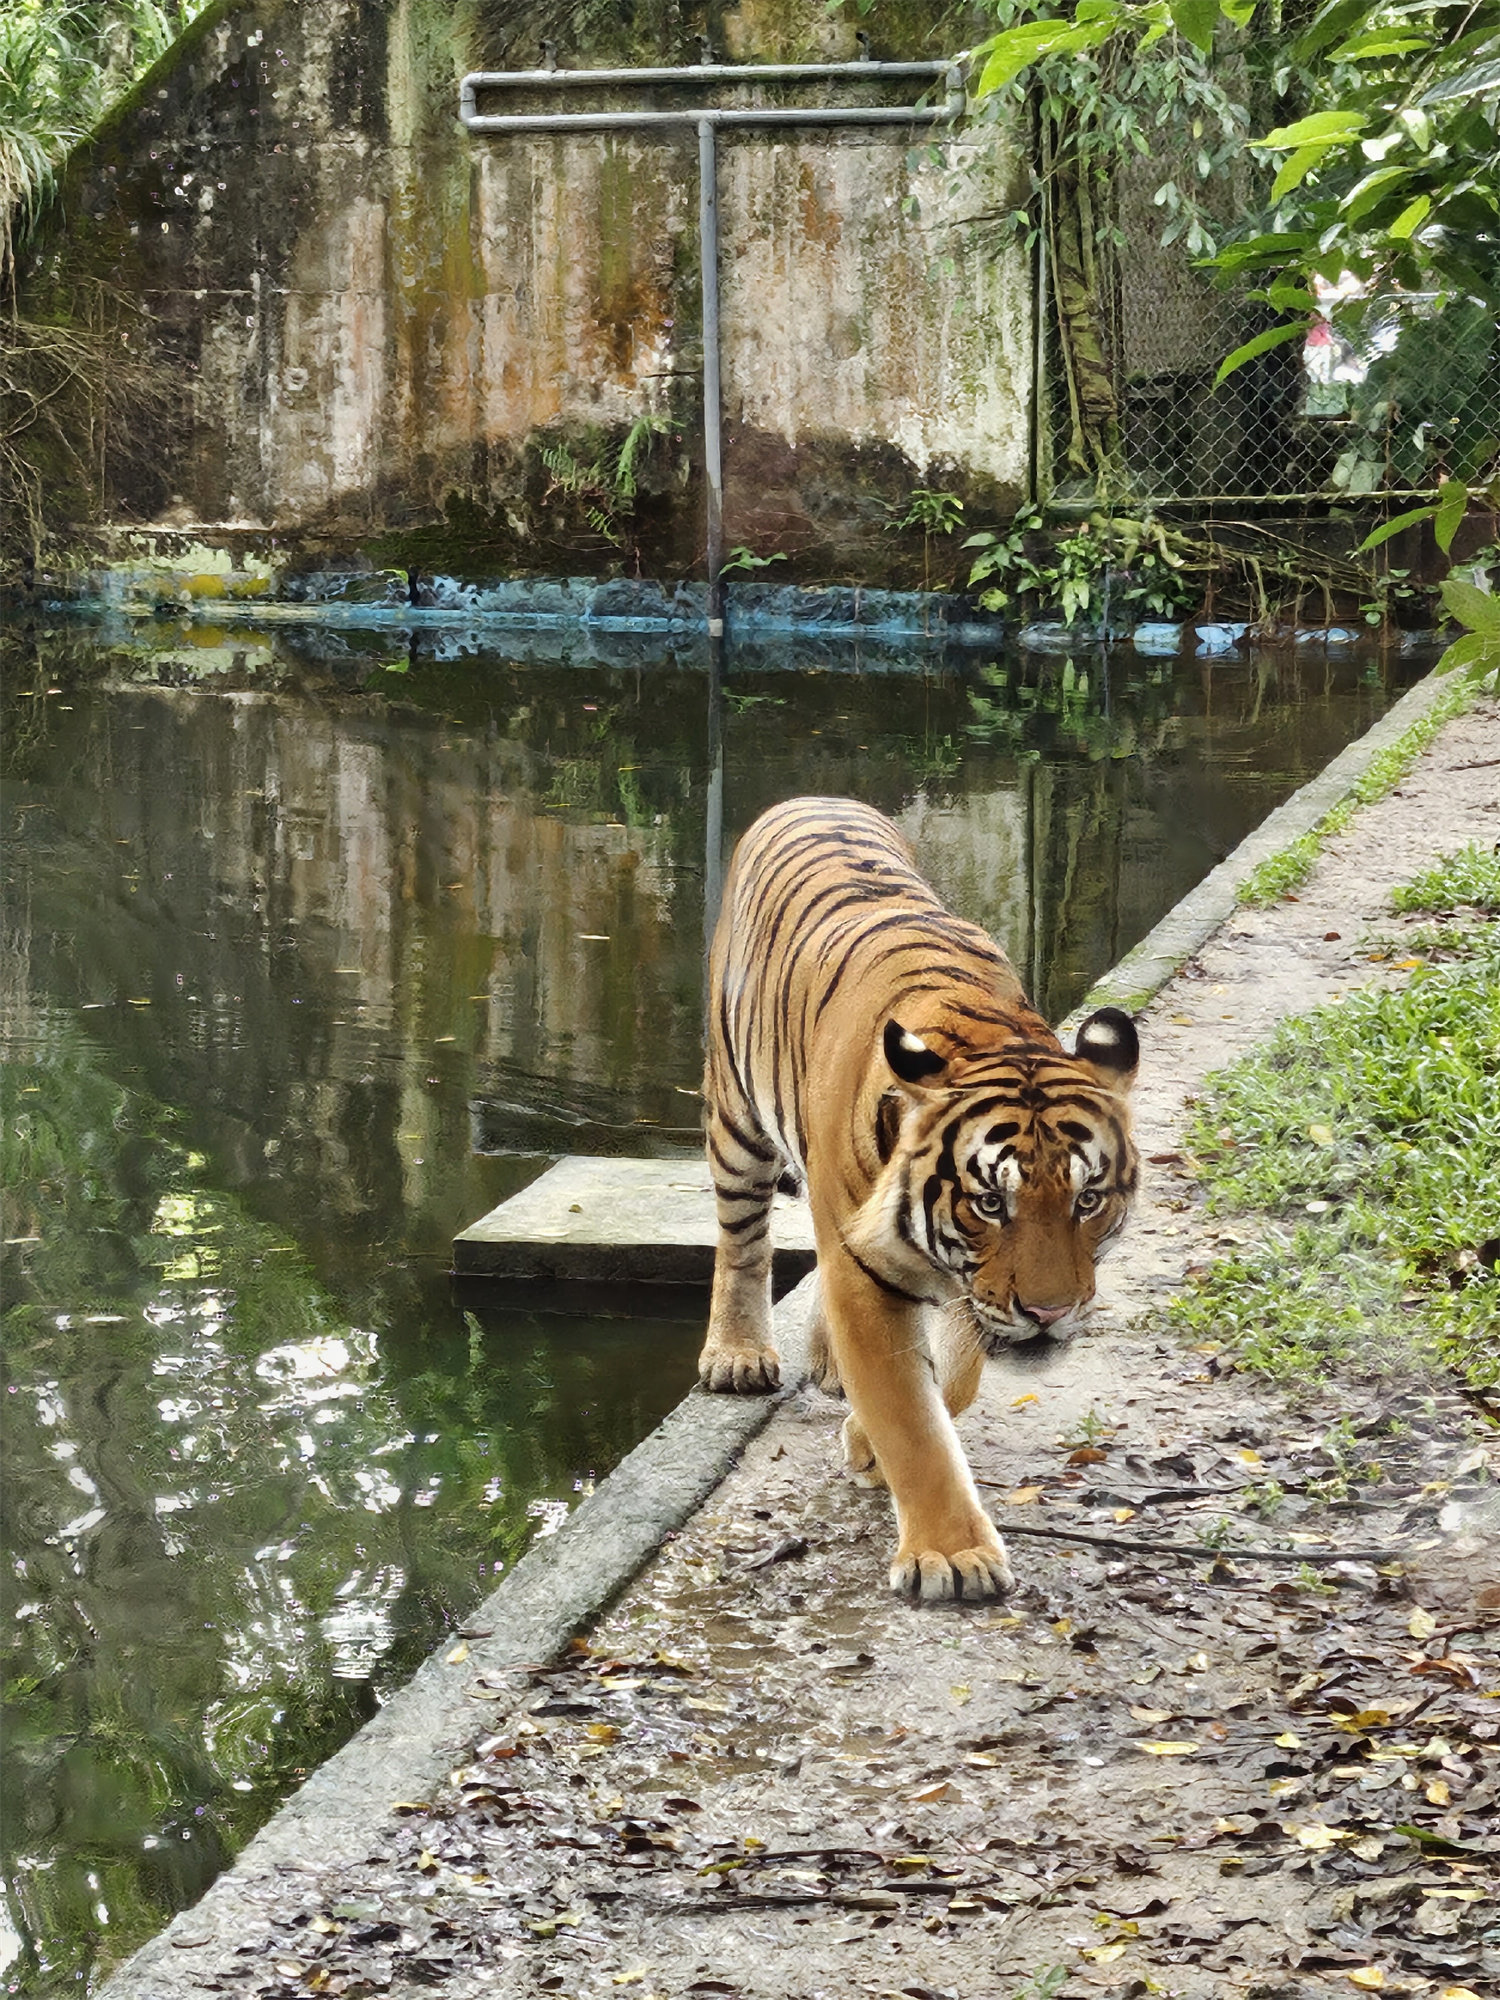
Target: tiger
column 964, row 1172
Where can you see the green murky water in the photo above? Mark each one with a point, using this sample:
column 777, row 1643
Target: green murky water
column 312, row 948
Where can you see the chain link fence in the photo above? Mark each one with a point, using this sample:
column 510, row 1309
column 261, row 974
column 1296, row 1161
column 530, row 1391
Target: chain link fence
column 1374, row 405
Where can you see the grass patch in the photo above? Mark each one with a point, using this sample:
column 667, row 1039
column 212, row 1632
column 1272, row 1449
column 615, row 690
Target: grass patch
column 1469, row 879
column 1363, row 1142
column 1280, row 874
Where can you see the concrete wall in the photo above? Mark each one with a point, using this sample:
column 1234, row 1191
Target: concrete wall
column 373, row 325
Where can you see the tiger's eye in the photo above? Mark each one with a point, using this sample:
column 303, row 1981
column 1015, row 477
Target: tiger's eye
column 992, row 1205
column 1088, row 1201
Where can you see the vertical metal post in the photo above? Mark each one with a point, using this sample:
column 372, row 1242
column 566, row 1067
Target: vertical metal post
column 713, row 833
column 713, row 461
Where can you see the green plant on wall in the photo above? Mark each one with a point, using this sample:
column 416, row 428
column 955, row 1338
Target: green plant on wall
column 606, row 483
column 1109, row 570
column 936, row 512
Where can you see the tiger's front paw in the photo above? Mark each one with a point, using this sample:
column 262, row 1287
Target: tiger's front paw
column 739, row 1371
column 934, row 1576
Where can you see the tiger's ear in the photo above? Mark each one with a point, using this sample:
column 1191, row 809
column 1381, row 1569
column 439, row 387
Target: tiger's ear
column 1108, row 1043
column 910, row 1059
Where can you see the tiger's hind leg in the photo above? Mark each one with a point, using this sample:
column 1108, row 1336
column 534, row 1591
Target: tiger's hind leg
column 822, row 1368
column 738, row 1354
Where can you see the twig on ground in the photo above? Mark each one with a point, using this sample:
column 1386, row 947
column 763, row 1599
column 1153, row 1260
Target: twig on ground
column 1201, row 1551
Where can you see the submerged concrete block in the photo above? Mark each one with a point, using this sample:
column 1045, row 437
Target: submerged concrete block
column 634, row 1222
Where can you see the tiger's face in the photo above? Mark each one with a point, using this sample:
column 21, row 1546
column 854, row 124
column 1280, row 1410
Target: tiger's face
column 1007, row 1177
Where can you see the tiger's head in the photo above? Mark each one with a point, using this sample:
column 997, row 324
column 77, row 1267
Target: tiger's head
column 1006, row 1174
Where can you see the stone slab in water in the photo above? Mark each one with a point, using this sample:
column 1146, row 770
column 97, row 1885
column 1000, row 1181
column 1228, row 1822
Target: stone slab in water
column 641, row 1222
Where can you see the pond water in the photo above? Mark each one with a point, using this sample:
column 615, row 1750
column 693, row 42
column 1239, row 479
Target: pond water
column 317, row 943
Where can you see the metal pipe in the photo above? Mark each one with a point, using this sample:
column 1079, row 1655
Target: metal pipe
column 713, row 456
column 707, row 120
column 572, row 79
column 757, row 116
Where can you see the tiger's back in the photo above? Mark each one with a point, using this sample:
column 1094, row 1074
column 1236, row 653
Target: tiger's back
column 955, row 1154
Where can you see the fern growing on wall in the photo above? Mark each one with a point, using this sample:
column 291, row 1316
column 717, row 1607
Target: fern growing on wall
column 606, row 485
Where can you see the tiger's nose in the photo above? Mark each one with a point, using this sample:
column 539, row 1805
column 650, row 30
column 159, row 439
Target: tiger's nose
column 1043, row 1315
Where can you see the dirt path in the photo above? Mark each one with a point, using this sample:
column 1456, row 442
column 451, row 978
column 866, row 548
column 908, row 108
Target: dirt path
column 1188, row 1774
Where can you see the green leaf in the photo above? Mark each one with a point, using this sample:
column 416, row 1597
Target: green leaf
column 1411, row 218
column 1453, row 504
column 1483, row 80
column 1239, row 11
column 1472, row 606
column 1007, row 54
column 1282, row 248
column 1330, row 24
column 1321, row 128
column 1296, row 169
column 1364, row 194
column 1394, row 526
column 1473, row 650
column 1379, row 42
column 1290, row 298
column 1195, row 21
column 1275, row 336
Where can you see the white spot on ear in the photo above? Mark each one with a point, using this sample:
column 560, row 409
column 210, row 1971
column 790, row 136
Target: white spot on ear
column 913, row 1044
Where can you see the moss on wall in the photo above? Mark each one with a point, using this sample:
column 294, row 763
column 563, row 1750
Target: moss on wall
column 375, row 327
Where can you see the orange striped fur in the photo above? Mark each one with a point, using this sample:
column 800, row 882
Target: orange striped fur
column 964, row 1171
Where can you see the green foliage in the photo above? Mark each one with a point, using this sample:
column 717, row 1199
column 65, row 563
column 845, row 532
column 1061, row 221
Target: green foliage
column 1127, row 81
column 608, row 481
column 1365, row 1134
column 1108, row 567
column 1106, row 82
column 1391, row 173
column 932, row 510
column 743, row 561
column 1382, row 165
column 1478, row 652
column 1469, row 880
column 63, row 63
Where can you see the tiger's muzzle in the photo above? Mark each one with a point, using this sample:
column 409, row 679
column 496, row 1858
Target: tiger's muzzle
column 1001, row 1328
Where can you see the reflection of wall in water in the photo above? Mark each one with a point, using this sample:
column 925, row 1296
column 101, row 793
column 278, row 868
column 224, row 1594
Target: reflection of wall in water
column 374, row 916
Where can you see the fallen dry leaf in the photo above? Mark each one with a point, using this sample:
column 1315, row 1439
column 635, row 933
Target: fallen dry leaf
column 1170, row 1749
column 1024, row 1496
column 1367, row 1977
column 1421, row 1624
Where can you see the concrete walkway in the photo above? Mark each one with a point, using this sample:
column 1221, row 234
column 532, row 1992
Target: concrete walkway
column 754, row 1704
